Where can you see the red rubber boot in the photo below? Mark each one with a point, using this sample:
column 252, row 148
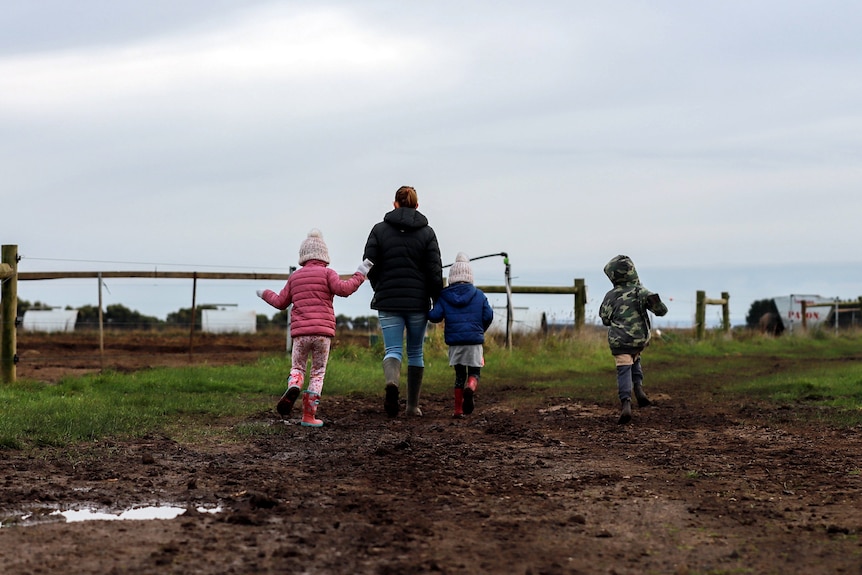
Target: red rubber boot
column 459, row 403
column 310, row 401
column 285, row 404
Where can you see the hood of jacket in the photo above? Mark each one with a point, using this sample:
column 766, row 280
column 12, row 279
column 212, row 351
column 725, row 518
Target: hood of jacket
column 621, row 271
column 459, row 294
column 406, row 219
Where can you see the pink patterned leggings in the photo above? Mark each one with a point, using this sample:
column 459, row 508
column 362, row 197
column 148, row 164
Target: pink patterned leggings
column 318, row 347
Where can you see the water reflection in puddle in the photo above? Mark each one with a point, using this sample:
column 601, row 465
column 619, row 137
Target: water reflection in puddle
column 138, row 513
column 76, row 515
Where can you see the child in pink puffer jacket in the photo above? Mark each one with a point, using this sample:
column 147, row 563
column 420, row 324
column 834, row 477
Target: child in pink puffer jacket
column 311, row 290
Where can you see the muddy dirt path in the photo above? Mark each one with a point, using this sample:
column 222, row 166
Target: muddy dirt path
column 693, row 486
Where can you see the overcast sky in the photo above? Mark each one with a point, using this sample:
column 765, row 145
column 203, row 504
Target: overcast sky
column 213, row 134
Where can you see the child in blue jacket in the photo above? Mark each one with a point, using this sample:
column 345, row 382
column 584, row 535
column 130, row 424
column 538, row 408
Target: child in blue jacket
column 468, row 316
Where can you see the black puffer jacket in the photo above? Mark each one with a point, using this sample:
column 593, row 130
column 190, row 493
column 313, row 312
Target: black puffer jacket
column 408, row 272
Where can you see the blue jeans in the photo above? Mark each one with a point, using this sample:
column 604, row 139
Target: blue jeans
column 393, row 325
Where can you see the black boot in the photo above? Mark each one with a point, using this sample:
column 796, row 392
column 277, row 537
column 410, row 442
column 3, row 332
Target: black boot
column 624, row 389
column 640, row 395
column 638, row 384
column 625, row 412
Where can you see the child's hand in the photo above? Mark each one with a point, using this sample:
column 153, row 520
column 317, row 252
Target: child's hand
column 365, row 266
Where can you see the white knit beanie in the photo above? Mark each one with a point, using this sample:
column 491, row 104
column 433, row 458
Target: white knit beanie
column 461, row 270
column 313, row 248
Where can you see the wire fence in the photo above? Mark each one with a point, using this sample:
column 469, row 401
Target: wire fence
column 197, row 322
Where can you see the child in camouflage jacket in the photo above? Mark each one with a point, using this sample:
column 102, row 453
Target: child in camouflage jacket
column 624, row 310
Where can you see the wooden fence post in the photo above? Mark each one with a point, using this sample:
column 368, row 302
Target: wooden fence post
column 700, row 312
column 700, row 315
column 194, row 309
column 580, row 303
column 9, row 313
column 101, row 328
column 289, row 341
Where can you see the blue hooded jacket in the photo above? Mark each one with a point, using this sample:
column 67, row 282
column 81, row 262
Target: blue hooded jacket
column 467, row 313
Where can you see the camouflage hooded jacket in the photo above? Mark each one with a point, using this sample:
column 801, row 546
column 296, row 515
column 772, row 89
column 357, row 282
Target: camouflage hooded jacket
column 624, row 308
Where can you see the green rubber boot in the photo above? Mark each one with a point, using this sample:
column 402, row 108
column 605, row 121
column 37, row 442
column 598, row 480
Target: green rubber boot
column 414, row 386
column 392, row 375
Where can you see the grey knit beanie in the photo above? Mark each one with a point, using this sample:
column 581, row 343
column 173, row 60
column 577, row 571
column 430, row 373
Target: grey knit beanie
column 461, row 270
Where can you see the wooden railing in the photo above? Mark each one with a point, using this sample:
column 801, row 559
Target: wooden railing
column 8, row 346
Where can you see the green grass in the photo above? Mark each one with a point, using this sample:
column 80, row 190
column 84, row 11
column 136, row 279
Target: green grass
column 113, row 404
column 186, row 402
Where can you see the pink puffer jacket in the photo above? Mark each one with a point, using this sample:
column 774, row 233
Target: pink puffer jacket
column 311, row 290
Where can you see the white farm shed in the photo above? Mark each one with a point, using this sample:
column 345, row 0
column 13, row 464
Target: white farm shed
column 524, row 321
column 50, row 320
column 228, row 321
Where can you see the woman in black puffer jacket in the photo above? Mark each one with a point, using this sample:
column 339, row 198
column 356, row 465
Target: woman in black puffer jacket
column 407, row 278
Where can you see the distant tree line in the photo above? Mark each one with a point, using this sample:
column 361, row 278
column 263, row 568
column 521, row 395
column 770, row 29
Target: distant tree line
column 118, row 316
